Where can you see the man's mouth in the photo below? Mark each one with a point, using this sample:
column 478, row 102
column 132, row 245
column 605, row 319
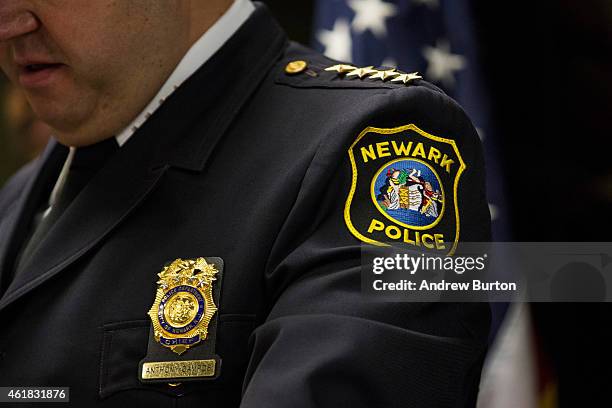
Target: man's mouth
column 38, row 74
column 39, row 67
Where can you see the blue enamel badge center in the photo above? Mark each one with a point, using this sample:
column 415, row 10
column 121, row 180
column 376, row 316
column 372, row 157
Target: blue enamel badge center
column 183, row 306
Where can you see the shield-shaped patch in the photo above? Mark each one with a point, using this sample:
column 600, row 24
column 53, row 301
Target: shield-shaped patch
column 404, row 188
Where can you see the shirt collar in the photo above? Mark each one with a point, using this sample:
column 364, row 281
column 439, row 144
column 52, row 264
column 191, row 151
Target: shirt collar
column 200, row 52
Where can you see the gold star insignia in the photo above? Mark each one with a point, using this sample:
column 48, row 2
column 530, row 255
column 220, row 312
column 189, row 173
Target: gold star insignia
column 362, row 72
column 341, row 68
column 386, row 74
column 405, row 78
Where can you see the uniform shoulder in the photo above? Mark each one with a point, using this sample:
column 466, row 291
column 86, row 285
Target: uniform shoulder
column 302, row 67
column 385, row 96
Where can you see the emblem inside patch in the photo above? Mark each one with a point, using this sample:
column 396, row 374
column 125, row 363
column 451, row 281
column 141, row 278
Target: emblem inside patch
column 404, row 188
column 409, row 192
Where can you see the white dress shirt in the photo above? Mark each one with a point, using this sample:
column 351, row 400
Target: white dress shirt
column 200, row 52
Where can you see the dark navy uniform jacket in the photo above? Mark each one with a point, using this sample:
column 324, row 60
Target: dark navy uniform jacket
column 250, row 164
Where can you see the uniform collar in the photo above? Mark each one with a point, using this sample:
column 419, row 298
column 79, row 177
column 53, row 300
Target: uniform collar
column 185, row 129
column 200, row 52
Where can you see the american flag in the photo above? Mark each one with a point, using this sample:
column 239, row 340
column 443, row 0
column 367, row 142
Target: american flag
column 433, row 37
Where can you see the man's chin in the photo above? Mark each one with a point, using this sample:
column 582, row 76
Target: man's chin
column 79, row 138
column 68, row 126
column 75, row 119
column 72, row 134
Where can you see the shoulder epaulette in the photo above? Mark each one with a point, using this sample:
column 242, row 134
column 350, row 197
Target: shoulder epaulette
column 349, row 75
column 393, row 74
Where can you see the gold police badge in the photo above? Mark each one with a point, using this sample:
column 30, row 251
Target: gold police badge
column 404, row 188
column 184, row 305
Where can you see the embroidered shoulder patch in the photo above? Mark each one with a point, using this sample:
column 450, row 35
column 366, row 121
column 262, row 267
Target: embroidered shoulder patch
column 404, row 188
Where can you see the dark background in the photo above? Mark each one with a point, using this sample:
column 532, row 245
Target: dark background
column 548, row 65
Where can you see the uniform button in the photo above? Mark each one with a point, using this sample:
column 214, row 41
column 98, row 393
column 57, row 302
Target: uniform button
column 295, row 67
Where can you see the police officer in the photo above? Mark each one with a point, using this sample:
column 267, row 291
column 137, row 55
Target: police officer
column 192, row 236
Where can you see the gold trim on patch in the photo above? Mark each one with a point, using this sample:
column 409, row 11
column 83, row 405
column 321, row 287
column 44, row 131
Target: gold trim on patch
column 389, row 131
column 178, row 369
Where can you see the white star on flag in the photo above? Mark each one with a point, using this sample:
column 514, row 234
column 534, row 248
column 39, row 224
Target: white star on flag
column 389, row 62
column 372, row 15
column 494, row 211
column 442, row 64
column 337, row 42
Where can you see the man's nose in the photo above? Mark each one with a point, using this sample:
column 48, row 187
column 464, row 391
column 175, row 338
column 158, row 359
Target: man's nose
column 14, row 22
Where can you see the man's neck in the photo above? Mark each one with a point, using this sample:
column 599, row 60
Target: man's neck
column 200, row 52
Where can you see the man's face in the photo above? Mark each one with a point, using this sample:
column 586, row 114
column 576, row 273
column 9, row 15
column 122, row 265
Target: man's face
column 88, row 67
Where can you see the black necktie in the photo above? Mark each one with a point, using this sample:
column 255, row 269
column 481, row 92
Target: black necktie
column 86, row 162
